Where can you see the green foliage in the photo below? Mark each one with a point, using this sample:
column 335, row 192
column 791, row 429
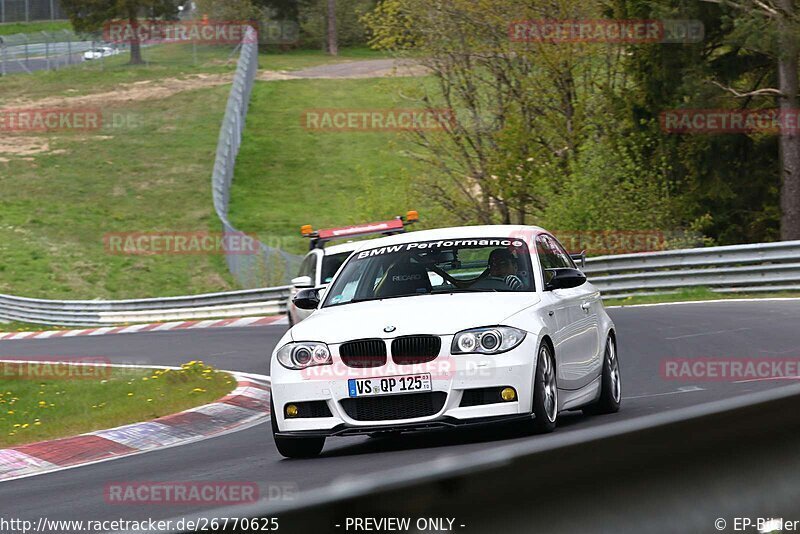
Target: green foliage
column 611, row 186
column 229, row 9
column 90, row 15
column 390, row 26
column 730, row 182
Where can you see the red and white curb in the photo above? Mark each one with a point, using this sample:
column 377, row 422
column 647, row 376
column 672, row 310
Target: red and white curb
column 245, row 406
column 153, row 327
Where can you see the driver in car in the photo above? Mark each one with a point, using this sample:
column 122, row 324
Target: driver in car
column 502, row 272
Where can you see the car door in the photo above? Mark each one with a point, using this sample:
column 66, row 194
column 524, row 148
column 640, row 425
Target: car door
column 575, row 311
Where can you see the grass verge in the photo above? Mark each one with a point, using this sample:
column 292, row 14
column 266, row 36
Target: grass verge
column 10, row 28
column 270, row 59
column 34, row 409
column 61, row 192
column 16, row 326
column 693, row 294
column 287, row 176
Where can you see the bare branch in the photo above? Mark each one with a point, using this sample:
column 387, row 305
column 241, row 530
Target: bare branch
column 767, row 91
column 759, row 6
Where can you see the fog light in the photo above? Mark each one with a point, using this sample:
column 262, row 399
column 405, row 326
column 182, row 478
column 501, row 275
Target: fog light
column 508, row 394
column 291, row 410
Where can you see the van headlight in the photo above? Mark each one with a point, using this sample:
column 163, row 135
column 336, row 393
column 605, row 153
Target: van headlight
column 304, row 354
column 488, row 340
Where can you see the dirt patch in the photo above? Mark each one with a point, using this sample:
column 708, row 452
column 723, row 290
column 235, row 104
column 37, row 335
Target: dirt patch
column 273, row 75
column 378, row 68
column 23, row 146
column 129, row 92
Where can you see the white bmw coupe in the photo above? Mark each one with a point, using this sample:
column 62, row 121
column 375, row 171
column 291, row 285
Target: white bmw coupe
column 444, row 328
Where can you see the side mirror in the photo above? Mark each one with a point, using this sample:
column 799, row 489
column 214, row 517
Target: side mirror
column 302, row 281
column 306, row 299
column 565, row 279
column 579, row 259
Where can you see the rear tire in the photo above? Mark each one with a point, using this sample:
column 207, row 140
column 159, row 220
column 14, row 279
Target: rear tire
column 294, row 447
column 610, row 387
column 545, row 392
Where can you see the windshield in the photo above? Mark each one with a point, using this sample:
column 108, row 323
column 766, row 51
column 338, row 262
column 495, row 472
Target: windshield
column 427, row 267
column 331, row 264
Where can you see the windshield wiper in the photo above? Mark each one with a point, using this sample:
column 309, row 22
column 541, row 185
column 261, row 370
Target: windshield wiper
column 466, row 290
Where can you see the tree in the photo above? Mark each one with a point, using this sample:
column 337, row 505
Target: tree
column 333, row 42
column 346, row 29
column 91, row 15
column 784, row 21
column 523, row 109
column 729, row 184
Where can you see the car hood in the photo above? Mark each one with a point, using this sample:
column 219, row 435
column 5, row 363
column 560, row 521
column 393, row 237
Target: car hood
column 424, row 314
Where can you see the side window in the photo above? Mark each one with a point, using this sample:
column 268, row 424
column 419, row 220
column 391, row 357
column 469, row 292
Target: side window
column 551, row 256
column 309, row 267
column 562, row 253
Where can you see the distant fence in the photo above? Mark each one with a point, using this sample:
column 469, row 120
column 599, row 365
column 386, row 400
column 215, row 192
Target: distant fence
column 30, row 10
column 28, row 52
column 271, row 265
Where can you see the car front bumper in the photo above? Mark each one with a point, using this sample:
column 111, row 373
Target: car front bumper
column 514, row 369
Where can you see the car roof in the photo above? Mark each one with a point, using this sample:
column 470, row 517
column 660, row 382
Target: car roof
column 350, row 246
column 524, row 233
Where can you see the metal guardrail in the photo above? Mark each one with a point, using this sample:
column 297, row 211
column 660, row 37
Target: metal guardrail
column 270, row 265
column 105, row 312
column 761, row 267
column 740, row 268
column 677, row 471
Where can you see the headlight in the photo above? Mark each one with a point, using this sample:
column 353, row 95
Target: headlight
column 488, row 340
column 306, row 354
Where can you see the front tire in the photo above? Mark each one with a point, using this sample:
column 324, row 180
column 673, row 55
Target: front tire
column 294, row 447
column 545, row 392
column 610, row 387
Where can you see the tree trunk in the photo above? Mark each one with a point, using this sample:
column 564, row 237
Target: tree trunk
column 789, row 139
column 333, row 41
column 136, row 46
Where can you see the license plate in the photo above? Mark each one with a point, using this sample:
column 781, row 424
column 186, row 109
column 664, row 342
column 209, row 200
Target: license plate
column 368, row 387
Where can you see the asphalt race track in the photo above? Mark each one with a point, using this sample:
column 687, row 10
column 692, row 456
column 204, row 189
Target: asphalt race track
column 647, row 335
